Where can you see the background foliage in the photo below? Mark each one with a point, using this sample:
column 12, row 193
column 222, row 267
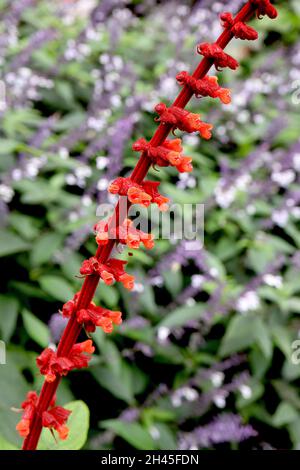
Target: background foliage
column 203, row 359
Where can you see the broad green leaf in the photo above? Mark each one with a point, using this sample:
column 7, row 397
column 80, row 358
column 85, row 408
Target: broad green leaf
column 11, row 243
column 36, row 329
column 78, row 424
column 57, row 286
column 135, row 434
column 44, row 248
column 8, row 316
column 284, row 414
column 5, row 445
column 180, row 316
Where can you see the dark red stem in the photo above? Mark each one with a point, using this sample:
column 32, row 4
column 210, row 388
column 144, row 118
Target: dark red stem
column 89, row 286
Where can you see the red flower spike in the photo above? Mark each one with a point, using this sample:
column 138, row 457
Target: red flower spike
column 183, row 120
column 208, row 86
column 240, row 30
column 215, row 52
column 94, row 316
column 132, row 237
column 56, row 418
column 101, row 229
column 151, row 188
column 112, row 271
column 28, row 405
column 264, row 7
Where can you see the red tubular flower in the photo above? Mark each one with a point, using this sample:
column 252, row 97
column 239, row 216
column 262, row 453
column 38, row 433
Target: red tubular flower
column 161, row 152
column 28, row 405
column 142, row 194
column 52, row 366
column 56, row 418
column 264, row 7
column 167, row 154
column 215, row 52
column 94, row 316
column 112, row 270
column 239, row 29
column 183, row 120
column 207, row 86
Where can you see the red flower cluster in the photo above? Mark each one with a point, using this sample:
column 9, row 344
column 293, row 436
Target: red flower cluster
column 264, row 7
column 167, row 154
column 126, row 234
column 239, row 29
column 183, row 120
column 55, row 418
column 215, row 52
column 112, row 270
column 144, row 193
column 92, row 316
column 52, row 366
column 207, row 86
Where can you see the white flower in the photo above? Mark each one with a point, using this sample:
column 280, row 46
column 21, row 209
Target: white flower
column 70, row 179
column 101, row 163
column 83, row 171
column 224, row 196
column 138, row 287
column 102, row 184
column 273, row 281
column 63, row 153
column 242, row 182
column 6, row 193
column 280, row 217
column 183, row 393
column 283, row 178
column 16, row 174
column 296, row 212
column 246, row 391
column 197, row 280
column 296, row 161
column 163, row 333
column 217, row 378
column 220, row 399
column 248, row 301
column 86, row 201
column 190, row 302
column 154, row 432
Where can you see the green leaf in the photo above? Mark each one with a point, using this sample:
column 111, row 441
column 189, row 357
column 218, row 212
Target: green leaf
column 11, row 243
column 78, row 424
column 180, row 316
column 284, row 414
column 44, row 248
column 8, row 316
column 5, row 445
column 283, row 340
column 135, row 434
column 58, row 287
column 244, row 331
column 36, row 329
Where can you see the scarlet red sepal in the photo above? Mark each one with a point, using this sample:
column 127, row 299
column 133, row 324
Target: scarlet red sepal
column 264, row 7
column 169, row 153
column 53, row 366
column 183, row 120
column 112, row 270
column 56, row 418
column 215, row 52
column 28, row 405
column 143, row 194
column 92, row 316
column 207, row 86
column 239, row 29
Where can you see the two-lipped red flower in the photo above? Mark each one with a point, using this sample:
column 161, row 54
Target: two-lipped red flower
column 51, row 365
column 143, row 194
column 167, row 154
column 126, row 234
column 215, row 52
column 56, row 418
column 207, row 86
column 264, row 7
column 28, row 405
column 239, row 29
column 183, row 120
column 112, row 270
column 92, row 316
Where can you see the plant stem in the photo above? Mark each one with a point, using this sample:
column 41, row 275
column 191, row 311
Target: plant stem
column 90, row 283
